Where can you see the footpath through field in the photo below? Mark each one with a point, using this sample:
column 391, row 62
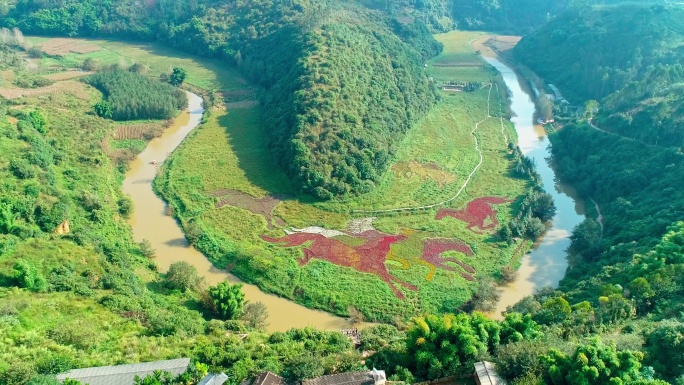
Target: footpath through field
column 472, row 173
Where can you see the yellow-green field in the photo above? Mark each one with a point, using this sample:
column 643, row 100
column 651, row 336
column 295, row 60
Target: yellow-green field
column 204, row 73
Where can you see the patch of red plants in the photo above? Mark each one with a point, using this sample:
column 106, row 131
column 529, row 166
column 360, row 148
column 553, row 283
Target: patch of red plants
column 368, row 257
column 476, row 212
column 433, row 248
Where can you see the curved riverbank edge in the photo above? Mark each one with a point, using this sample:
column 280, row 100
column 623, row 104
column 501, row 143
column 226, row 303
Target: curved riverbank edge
column 151, row 222
column 545, row 265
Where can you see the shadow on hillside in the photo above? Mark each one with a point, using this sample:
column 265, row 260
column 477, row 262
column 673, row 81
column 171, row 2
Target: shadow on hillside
column 247, row 137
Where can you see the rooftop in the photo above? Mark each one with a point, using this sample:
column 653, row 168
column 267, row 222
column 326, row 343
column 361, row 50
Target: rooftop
column 351, row 378
column 486, row 374
column 268, row 378
column 214, row 379
column 124, row 374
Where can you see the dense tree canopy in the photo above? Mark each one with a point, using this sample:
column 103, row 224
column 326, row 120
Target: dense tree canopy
column 594, row 363
column 628, row 57
column 131, row 96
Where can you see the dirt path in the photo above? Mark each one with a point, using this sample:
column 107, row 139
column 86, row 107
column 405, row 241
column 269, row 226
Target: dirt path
column 599, row 219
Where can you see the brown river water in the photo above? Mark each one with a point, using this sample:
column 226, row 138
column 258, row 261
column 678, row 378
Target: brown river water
column 150, row 222
column 546, row 263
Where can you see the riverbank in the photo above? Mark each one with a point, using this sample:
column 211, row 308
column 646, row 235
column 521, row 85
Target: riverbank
column 501, row 49
column 546, row 263
column 151, row 222
column 222, row 180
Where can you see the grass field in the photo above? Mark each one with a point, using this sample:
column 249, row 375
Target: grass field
column 229, row 153
column 203, row 73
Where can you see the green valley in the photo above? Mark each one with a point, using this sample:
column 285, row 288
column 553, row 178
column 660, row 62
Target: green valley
column 366, row 165
column 218, row 179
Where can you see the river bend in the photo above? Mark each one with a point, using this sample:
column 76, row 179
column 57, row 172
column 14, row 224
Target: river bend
column 149, row 221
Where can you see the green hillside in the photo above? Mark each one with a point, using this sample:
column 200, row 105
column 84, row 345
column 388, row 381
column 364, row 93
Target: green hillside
column 627, row 158
column 628, row 57
column 342, row 83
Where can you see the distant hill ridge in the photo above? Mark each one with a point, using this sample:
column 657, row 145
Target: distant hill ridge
column 627, row 56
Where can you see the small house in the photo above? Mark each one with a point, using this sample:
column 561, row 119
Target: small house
column 265, row 378
column 366, row 377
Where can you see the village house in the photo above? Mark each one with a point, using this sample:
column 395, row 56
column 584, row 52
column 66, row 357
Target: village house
column 365, row 377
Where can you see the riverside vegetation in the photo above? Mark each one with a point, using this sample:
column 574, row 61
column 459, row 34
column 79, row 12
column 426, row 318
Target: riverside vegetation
column 114, row 297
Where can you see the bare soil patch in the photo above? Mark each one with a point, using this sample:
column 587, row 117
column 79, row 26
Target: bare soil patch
column 491, row 46
column 75, row 88
column 424, row 172
column 260, row 206
column 64, row 46
column 144, row 131
column 67, row 75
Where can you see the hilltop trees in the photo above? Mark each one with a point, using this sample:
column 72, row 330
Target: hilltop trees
column 594, row 363
column 625, row 58
column 437, row 346
column 343, row 84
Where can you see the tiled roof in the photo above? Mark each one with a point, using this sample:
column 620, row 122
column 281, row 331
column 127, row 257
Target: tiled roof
column 124, row 374
column 351, row 378
column 268, row 378
column 214, row 379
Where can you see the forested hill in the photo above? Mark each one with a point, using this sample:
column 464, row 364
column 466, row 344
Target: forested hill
column 343, row 82
column 594, row 51
column 628, row 56
column 628, row 158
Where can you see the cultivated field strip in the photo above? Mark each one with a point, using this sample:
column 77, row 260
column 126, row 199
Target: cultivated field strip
column 470, row 176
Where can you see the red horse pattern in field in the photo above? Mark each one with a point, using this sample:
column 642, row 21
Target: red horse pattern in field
column 476, row 212
column 433, row 248
column 369, row 257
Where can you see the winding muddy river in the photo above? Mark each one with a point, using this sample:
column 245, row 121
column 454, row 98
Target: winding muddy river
column 150, row 222
column 545, row 265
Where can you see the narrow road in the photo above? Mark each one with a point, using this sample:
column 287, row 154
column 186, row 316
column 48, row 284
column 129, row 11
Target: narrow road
column 599, row 219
